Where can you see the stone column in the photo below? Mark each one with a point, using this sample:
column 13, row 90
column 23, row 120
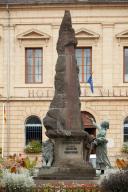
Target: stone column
column 107, row 60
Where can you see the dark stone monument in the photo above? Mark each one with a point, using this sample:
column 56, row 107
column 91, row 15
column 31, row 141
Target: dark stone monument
column 63, row 121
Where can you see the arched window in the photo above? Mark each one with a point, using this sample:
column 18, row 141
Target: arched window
column 33, row 129
column 126, row 129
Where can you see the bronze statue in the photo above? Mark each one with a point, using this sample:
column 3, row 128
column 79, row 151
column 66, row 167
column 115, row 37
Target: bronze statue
column 102, row 161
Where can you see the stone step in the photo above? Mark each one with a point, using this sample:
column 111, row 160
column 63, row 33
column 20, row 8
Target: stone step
column 67, row 182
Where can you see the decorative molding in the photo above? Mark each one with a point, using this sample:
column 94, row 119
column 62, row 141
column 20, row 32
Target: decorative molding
column 107, row 25
column 122, row 36
column 33, row 34
column 86, row 34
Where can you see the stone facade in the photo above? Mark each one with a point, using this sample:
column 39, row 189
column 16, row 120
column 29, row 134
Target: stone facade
column 103, row 27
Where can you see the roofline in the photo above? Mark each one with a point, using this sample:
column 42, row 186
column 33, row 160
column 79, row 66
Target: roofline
column 55, row 5
column 70, row 3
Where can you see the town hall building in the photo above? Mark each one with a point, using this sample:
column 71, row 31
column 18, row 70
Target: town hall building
column 28, row 37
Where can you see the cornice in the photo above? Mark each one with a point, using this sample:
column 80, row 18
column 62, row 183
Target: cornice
column 64, row 6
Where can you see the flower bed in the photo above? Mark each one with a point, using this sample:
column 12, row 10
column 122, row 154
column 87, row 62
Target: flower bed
column 60, row 188
column 70, row 188
column 16, row 175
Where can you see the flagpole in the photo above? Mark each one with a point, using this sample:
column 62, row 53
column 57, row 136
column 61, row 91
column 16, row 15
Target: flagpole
column 3, row 127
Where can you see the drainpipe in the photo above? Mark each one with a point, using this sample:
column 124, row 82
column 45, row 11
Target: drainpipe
column 8, row 79
column 8, row 52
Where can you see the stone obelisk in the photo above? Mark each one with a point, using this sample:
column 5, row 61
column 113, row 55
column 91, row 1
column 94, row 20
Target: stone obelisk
column 63, row 120
column 64, row 112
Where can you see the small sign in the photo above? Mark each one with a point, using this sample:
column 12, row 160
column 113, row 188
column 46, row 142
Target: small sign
column 71, row 149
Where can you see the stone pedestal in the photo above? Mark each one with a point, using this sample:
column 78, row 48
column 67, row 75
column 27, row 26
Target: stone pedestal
column 69, row 151
column 69, row 161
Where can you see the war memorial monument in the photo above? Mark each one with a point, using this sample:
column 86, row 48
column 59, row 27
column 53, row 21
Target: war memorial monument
column 66, row 153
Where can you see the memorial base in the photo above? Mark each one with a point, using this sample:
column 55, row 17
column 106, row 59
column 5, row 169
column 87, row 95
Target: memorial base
column 57, row 173
column 69, row 161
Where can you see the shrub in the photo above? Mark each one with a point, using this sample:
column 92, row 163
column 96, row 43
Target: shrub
column 125, row 148
column 30, row 165
column 121, row 164
column 115, row 182
column 22, row 182
column 16, row 173
column 33, row 147
column 16, row 163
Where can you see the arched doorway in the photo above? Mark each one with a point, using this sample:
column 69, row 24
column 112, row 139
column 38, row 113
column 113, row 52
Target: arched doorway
column 33, row 129
column 88, row 126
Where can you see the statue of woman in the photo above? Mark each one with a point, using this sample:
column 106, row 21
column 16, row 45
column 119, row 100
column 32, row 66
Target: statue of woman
column 102, row 161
